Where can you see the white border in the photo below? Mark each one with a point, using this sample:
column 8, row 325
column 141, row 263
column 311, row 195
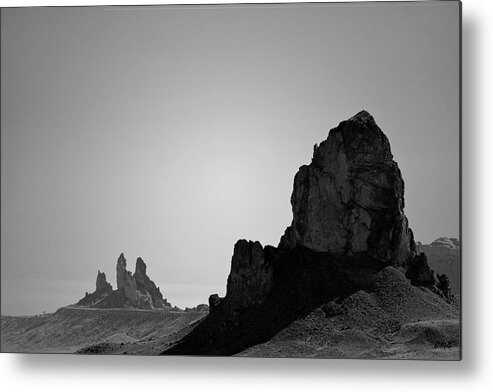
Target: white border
column 83, row 373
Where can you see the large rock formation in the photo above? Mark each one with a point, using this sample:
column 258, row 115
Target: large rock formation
column 350, row 198
column 348, row 201
column 125, row 283
column 348, row 224
column 250, row 279
column 122, row 275
column 133, row 290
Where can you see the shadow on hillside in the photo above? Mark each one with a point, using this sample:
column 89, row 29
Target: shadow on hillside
column 304, row 280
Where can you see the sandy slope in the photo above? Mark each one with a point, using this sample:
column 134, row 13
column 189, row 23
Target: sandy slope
column 395, row 321
column 69, row 329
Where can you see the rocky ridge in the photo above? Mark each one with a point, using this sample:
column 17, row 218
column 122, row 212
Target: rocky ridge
column 135, row 291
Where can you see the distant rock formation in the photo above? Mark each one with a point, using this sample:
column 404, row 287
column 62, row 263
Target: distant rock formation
column 103, row 289
column 350, row 198
column 199, row 308
column 125, row 283
column 444, row 286
column 133, row 291
column 101, row 284
column 420, row 273
column 214, row 302
column 145, row 284
column 443, row 257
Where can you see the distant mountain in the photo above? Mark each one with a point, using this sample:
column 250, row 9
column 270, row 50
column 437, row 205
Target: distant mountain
column 443, row 257
column 136, row 291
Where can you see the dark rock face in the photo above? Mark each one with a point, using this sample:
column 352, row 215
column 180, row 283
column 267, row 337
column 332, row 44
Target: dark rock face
column 348, row 201
column 420, row 273
column 250, row 279
column 126, row 284
column 350, row 198
column 444, row 286
column 121, row 272
column 214, row 302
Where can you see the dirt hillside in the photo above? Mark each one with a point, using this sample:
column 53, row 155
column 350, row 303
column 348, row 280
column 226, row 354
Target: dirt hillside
column 69, row 329
column 393, row 321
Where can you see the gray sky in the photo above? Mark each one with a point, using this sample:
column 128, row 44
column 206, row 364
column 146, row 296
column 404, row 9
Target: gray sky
column 171, row 132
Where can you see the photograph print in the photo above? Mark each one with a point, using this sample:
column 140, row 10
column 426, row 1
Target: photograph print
column 252, row 180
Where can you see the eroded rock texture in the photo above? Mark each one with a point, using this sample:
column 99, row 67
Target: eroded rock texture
column 132, row 290
column 349, row 201
column 125, row 283
column 250, row 279
column 101, row 284
column 350, row 198
column 103, row 289
column 214, row 302
column 145, row 284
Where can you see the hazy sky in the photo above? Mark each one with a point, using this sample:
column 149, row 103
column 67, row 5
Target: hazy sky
column 171, row 132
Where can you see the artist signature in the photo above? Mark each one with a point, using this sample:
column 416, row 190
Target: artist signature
column 444, row 344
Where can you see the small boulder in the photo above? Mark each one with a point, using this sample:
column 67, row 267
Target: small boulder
column 214, row 302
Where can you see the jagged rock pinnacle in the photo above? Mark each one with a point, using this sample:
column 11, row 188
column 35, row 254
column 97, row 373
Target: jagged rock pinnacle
column 350, row 198
column 121, row 270
column 101, row 284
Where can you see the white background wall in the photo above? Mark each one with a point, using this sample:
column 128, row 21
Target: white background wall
column 84, row 373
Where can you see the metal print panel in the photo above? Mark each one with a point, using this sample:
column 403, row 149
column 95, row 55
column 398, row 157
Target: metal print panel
column 277, row 180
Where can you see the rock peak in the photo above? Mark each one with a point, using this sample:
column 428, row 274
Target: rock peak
column 121, row 271
column 101, row 284
column 140, row 266
column 350, row 198
column 103, row 289
column 348, row 225
column 363, row 116
column 121, row 260
column 146, row 286
column 452, row 243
